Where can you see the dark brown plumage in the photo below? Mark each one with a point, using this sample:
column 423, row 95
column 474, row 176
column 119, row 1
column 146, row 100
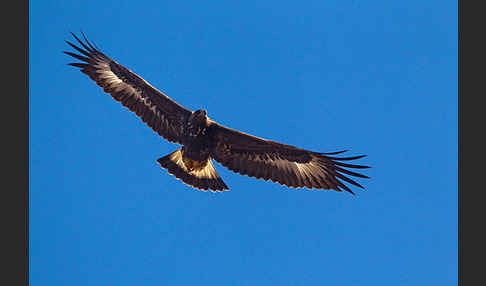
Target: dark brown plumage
column 203, row 139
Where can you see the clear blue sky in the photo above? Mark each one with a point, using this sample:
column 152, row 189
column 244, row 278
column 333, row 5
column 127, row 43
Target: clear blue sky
column 375, row 77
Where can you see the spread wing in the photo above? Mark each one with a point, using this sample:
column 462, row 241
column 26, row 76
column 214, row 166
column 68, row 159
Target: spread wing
column 284, row 164
column 161, row 113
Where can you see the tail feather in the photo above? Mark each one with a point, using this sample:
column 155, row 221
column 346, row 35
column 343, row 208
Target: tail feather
column 205, row 178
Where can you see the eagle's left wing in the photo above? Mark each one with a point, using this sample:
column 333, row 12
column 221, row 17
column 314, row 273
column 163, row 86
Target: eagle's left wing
column 281, row 163
column 161, row 113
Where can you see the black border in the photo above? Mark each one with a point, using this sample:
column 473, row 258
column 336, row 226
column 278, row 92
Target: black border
column 15, row 139
column 23, row 34
column 15, row 142
column 471, row 121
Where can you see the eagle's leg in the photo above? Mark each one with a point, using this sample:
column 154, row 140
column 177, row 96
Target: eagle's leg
column 194, row 165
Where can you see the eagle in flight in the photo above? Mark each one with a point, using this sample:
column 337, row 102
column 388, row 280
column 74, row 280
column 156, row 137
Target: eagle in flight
column 202, row 138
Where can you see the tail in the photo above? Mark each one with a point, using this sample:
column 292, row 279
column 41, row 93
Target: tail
column 203, row 179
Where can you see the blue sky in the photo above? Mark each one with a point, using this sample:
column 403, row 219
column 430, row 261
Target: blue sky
column 374, row 77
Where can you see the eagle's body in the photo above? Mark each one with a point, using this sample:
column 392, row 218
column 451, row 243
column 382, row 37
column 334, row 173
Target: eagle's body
column 203, row 139
column 197, row 142
column 196, row 150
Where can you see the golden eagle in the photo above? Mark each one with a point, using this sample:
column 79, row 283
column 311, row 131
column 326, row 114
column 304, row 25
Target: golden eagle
column 202, row 138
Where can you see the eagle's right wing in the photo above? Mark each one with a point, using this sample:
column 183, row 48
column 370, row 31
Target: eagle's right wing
column 161, row 113
column 284, row 164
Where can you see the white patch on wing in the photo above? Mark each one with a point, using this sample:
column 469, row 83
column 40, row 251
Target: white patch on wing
column 110, row 77
column 310, row 169
column 118, row 85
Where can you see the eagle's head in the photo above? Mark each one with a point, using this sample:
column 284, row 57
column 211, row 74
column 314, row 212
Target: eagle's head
column 199, row 118
column 200, row 113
